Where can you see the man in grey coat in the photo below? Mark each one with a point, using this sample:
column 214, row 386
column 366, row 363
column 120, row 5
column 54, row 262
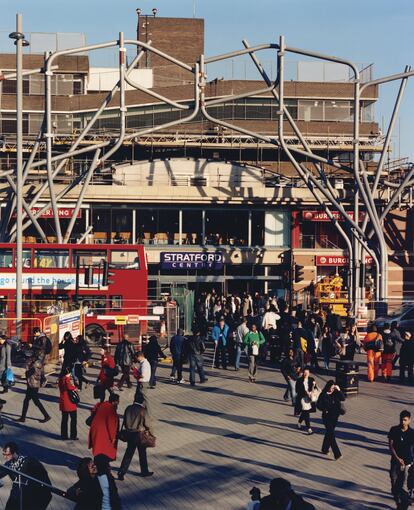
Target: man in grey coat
column 136, row 418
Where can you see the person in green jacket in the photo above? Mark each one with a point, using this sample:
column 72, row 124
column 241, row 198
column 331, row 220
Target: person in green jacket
column 253, row 340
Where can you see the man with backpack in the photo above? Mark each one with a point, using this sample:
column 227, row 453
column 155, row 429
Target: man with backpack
column 41, row 345
column 125, row 357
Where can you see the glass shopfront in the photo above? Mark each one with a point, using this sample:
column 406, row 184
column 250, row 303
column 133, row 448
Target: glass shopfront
column 221, row 226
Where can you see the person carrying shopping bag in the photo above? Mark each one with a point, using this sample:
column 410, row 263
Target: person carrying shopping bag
column 253, row 340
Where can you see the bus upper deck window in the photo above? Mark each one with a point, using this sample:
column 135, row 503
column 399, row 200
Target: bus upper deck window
column 89, row 257
column 51, row 258
column 6, row 258
column 125, row 259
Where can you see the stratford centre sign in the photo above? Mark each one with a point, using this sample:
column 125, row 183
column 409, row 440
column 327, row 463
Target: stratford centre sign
column 191, row 260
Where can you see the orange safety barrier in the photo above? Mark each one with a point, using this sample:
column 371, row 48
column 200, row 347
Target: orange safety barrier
column 8, row 326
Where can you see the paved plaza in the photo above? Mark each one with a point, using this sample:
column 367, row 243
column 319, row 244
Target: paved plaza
column 217, row 440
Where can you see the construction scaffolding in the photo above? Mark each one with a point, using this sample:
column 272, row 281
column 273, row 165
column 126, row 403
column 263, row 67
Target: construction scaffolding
column 361, row 237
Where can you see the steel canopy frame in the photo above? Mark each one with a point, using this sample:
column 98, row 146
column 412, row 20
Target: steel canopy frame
column 360, row 237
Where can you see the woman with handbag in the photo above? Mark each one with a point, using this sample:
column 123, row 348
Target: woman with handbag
column 68, row 405
column 253, row 340
column 306, row 397
column 137, row 432
column 330, row 403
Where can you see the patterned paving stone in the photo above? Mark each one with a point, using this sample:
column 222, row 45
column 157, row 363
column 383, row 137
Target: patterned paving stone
column 215, row 441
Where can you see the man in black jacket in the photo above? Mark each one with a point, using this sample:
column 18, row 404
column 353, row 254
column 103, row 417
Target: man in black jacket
column 41, row 344
column 125, row 357
column 407, row 357
column 34, row 496
column 196, row 349
column 283, row 496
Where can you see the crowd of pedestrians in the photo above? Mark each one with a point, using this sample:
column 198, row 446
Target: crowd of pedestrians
column 301, row 343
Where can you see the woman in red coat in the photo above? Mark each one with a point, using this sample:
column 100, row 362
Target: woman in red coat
column 66, row 405
column 107, row 374
column 104, row 428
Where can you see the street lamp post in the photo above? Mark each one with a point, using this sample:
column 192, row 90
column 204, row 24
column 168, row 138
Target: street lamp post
column 19, row 42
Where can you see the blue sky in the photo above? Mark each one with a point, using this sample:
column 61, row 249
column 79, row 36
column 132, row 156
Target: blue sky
column 369, row 31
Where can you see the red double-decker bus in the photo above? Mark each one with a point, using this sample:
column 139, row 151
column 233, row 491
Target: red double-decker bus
column 108, row 282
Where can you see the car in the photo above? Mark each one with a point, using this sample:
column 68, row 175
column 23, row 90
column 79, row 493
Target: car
column 404, row 316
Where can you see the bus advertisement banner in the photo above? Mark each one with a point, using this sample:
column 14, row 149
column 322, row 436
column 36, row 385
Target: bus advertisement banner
column 49, row 281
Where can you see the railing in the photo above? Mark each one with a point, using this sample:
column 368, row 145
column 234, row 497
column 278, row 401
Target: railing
column 21, row 480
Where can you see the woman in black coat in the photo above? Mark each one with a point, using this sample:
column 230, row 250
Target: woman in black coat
column 152, row 352
column 329, row 402
column 304, row 387
column 87, row 492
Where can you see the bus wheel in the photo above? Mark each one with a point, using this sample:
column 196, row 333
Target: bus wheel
column 95, row 335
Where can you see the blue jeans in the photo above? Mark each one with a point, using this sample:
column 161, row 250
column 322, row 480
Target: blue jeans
column 237, row 356
column 291, row 390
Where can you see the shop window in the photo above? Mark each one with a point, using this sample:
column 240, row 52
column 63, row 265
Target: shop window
column 101, row 221
column 51, row 258
column 258, row 228
column 192, row 227
column 239, row 270
column 277, row 228
column 308, row 234
column 121, row 226
column 227, row 227
column 158, row 226
column 125, row 259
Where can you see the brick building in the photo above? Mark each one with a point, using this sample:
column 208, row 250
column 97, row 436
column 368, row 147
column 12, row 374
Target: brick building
column 199, row 188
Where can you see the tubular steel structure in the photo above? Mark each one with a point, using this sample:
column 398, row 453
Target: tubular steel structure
column 361, row 237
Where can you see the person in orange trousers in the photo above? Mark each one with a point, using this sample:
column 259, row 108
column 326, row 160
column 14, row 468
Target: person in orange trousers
column 373, row 345
column 388, row 354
